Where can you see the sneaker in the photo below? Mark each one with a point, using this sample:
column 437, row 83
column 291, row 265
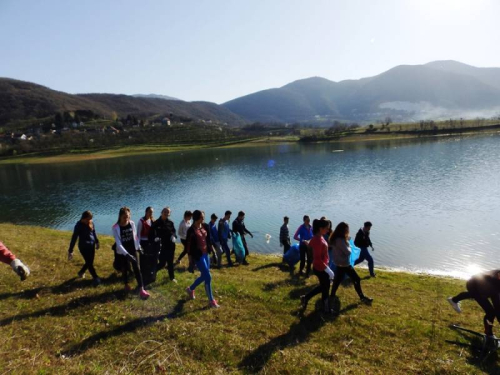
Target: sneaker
column 191, row 269
column 190, row 293
column 245, row 263
column 144, row 294
column 213, row 304
column 373, row 275
column 456, row 306
column 128, row 288
column 303, row 301
column 366, row 300
column 81, row 275
column 174, row 281
column 97, row 281
column 177, row 262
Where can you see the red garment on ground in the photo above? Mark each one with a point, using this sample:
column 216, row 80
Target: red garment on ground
column 320, row 253
column 5, row 255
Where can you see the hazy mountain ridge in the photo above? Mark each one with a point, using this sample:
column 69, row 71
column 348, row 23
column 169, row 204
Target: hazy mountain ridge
column 435, row 90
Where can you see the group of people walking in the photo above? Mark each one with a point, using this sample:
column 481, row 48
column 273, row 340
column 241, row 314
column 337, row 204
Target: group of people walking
column 328, row 253
column 150, row 246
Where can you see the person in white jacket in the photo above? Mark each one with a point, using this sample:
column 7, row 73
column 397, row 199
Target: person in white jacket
column 127, row 244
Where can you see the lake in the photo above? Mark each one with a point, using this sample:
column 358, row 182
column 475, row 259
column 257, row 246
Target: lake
column 434, row 203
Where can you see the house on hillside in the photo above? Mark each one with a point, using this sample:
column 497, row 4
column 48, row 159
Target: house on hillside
column 166, row 121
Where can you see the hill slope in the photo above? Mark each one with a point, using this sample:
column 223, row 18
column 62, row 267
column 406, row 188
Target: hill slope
column 56, row 323
column 21, row 100
column 408, row 92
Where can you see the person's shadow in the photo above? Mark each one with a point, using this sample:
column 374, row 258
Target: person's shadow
column 298, row 333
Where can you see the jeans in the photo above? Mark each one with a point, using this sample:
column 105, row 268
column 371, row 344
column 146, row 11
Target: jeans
column 339, row 276
column 203, row 265
column 225, row 247
column 305, row 251
column 365, row 255
column 219, row 252
column 88, row 254
column 167, row 254
column 323, row 287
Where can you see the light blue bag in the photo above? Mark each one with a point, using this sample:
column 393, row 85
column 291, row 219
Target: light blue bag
column 355, row 252
column 238, row 248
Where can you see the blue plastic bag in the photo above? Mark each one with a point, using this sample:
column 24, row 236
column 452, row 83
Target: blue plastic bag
column 355, row 252
column 238, row 248
column 292, row 256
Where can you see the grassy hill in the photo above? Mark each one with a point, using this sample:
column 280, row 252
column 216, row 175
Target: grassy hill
column 54, row 323
column 21, row 100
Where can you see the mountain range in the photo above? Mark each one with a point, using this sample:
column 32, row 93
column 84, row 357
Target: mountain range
column 436, row 90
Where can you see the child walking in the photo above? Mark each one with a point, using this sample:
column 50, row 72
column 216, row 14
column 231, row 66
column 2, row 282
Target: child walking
column 197, row 245
column 341, row 257
column 88, row 243
column 127, row 244
column 183, row 228
column 320, row 265
column 362, row 241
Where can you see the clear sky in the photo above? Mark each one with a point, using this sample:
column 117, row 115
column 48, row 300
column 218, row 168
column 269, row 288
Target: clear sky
column 218, row 50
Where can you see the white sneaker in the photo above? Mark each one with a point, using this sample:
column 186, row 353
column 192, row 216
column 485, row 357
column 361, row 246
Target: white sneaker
column 456, row 306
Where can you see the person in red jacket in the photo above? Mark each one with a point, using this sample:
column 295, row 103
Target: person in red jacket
column 320, row 264
column 19, row 267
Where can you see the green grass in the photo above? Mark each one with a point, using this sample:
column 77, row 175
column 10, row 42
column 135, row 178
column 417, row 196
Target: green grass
column 55, row 324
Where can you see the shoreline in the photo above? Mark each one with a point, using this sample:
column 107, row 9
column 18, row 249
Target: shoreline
column 150, row 149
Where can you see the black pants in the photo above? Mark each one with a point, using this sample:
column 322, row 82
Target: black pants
column 323, row 287
column 244, row 244
column 340, row 272
column 286, row 246
column 148, row 262
column 166, row 258
column 305, row 252
column 491, row 310
column 88, row 254
column 135, row 267
column 184, row 251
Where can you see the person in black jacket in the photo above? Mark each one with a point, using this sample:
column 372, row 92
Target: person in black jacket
column 482, row 288
column 88, row 242
column 164, row 228
column 363, row 241
column 239, row 227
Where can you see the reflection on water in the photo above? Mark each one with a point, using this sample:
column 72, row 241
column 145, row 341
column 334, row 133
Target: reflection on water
column 434, row 203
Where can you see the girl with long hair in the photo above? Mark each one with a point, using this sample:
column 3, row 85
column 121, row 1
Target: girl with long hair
column 342, row 259
column 127, row 244
column 88, row 243
column 198, row 243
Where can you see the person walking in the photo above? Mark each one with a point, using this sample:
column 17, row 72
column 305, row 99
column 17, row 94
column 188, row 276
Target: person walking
column 150, row 249
column 198, row 248
column 303, row 234
column 484, row 288
column 183, row 228
column 225, row 236
column 7, row 257
column 215, row 240
column 285, row 235
column 341, row 258
column 239, row 227
column 127, row 244
column 363, row 241
column 88, row 243
column 165, row 229
column 320, row 265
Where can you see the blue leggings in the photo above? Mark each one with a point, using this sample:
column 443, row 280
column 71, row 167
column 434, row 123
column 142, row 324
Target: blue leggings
column 203, row 265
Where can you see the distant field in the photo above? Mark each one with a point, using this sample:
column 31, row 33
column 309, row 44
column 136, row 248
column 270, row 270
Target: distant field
column 54, row 323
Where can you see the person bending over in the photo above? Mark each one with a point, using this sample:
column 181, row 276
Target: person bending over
column 484, row 288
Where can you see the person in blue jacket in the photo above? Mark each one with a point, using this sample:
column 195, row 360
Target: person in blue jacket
column 304, row 235
column 88, row 242
column 225, row 235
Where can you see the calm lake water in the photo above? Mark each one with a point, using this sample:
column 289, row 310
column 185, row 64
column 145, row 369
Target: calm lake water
column 434, row 203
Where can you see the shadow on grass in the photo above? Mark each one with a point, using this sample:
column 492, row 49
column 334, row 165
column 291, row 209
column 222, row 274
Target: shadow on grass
column 63, row 310
column 298, row 333
column 483, row 359
column 268, row 287
column 66, row 287
column 131, row 326
column 284, row 267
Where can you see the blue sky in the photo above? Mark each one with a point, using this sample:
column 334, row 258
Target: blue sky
column 218, row 50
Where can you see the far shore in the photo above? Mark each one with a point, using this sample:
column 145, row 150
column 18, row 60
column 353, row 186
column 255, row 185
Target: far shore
column 147, row 149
